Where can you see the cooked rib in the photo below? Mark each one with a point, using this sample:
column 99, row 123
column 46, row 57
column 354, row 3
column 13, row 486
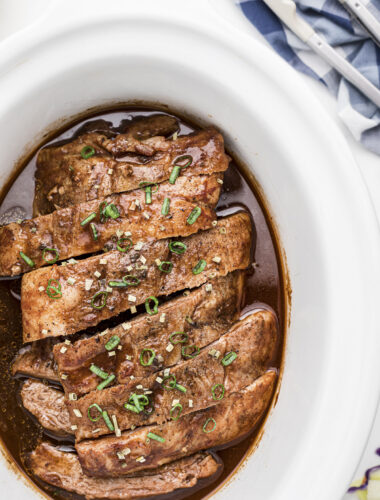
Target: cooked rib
column 63, row 470
column 62, row 230
column 253, row 339
column 36, row 360
column 234, row 417
column 47, row 405
column 43, row 317
column 202, row 315
column 64, row 178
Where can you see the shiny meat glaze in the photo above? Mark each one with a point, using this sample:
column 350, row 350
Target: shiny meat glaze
column 47, row 405
column 63, row 470
column 65, row 178
column 203, row 315
column 236, row 415
column 43, row 317
column 36, row 360
column 253, row 339
column 62, row 230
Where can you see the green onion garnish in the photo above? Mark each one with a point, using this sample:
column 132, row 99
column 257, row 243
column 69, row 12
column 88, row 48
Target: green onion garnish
column 87, row 152
column 176, row 411
column 27, row 259
column 148, row 362
column 99, row 372
column 187, row 158
column 53, row 251
column 153, row 436
column 93, row 419
column 88, row 219
column 166, row 267
column 107, row 421
column 94, row 231
column 200, row 267
column 106, row 382
column 229, row 358
column 195, row 213
column 165, row 206
column 131, row 280
column 190, row 351
column 169, row 382
column 54, row 289
column 103, row 300
column 206, row 425
column 130, row 407
column 117, row 284
column 218, row 391
column 148, row 195
column 174, row 174
column 113, row 342
column 136, row 402
column 111, row 210
column 177, row 247
column 183, row 338
column 180, row 387
column 148, row 309
column 120, row 244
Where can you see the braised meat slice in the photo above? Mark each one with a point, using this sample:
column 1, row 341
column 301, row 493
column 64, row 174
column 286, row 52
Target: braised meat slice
column 202, row 316
column 82, row 291
column 65, row 178
column 151, row 446
column 206, row 378
column 93, row 226
column 36, row 360
column 63, row 470
column 47, row 405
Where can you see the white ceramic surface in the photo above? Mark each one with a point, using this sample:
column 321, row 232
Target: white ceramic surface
column 188, row 55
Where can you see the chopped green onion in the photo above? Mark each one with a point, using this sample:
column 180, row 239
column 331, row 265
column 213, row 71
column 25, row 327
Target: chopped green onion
column 165, row 206
column 200, row 267
column 107, row 421
column 148, row 195
column 195, row 213
column 148, row 309
column 176, row 411
column 183, row 338
column 117, row 284
column 229, row 358
column 93, row 419
column 149, row 184
column 174, row 174
column 130, row 407
column 180, row 387
column 180, row 159
column 99, row 372
column 131, row 280
column 88, row 219
column 105, row 383
column 153, row 436
column 206, row 425
column 171, row 382
column 166, row 267
column 120, row 242
column 103, row 300
column 218, row 391
column 27, row 259
column 143, row 362
column 177, row 247
column 113, row 342
column 53, row 251
column 94, row 231
column 54, row 289
column 112, row 211
column 139, row 401
column 193, row 351
column 87, row 152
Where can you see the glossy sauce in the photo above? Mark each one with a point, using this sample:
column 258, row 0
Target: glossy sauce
column 264, row 289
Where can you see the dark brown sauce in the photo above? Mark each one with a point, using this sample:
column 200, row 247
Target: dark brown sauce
column 264, row 289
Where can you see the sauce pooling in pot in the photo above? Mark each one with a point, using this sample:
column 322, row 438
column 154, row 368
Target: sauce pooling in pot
column 264, row 289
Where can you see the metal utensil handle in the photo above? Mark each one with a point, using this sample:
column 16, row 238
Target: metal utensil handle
column 338, row 62
column 365, row 16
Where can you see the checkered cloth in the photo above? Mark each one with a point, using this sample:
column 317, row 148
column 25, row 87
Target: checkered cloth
column 333, row 22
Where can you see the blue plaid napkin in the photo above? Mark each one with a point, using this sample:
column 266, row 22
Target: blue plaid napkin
column 333, row 22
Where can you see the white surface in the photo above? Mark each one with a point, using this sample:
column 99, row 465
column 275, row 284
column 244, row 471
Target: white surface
column 314, row 191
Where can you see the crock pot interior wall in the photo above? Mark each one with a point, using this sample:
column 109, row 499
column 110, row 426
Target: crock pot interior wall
column 136, row 59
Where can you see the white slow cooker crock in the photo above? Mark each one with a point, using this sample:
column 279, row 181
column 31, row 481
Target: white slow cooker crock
column 188, row 55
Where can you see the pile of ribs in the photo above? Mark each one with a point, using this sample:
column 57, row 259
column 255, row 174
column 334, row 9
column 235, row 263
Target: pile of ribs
column 135, row 350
